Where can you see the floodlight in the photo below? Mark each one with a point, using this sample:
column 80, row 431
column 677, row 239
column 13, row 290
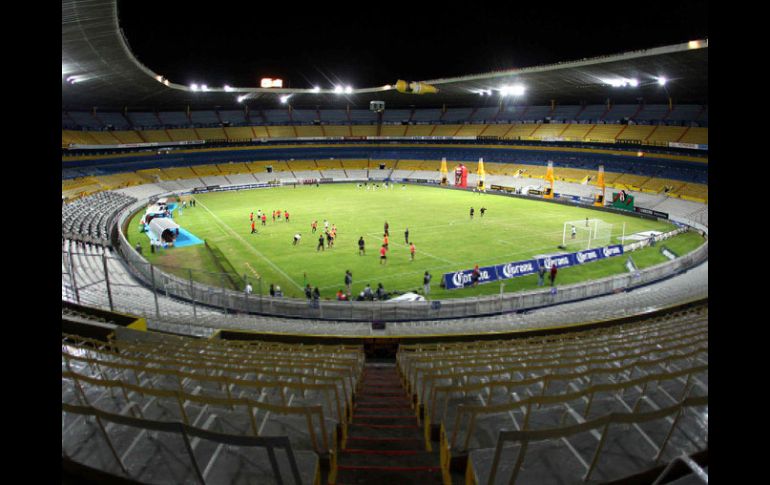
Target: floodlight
column 241, row 98
column 338, row 89
column 316, row 89
column 633, row 82
column 228, row 89
column 204, row 87
column 194, row 87
column 514, row 90
column 284, row 99
column 662, row 81
column 693, row 44
column 348, row 90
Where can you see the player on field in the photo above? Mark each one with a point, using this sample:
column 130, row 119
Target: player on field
column 361, row 251
column 574, row 231
column 253, row 228
column 483, row 210
column 251, row 216
column 386, row 228
column 329, row 239
column 264, row 219
column 286, row 215
column 385, row 240
column 475, row 276
column 472, row 211
column 273, row 216
column 411, row 250
column 320, row 244
column 348, row 280
column 297, row 237
column 326, row 225
column 406, row 235
column 383, row 256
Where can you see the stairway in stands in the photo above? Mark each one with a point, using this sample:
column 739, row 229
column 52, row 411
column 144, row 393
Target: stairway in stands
column 385, row 442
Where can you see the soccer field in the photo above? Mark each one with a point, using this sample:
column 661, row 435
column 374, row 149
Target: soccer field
column 445, row 237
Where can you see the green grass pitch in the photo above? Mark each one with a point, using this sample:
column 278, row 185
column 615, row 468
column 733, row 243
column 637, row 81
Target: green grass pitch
column 445, row 236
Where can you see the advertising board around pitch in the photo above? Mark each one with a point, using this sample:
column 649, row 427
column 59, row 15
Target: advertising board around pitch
column 488, row 274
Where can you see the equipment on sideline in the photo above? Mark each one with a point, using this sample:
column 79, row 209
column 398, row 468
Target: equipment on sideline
column 549, row 177
column 480, row 172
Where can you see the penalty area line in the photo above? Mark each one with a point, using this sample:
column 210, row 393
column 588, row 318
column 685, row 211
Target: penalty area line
column 250, row 247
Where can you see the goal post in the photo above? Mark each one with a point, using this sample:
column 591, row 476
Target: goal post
column 586, row 234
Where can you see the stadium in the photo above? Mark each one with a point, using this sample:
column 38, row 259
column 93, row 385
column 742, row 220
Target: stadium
column 496, row 277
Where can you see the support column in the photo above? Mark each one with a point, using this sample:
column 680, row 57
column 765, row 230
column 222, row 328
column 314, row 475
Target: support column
column 154, row 291
column 107, row 281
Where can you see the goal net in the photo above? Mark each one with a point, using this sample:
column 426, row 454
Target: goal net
column 586, row 234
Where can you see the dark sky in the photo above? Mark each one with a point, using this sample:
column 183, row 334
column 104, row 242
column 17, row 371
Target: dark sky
column 347, row 42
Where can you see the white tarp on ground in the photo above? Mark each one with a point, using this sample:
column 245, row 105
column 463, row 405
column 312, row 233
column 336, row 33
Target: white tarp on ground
column 160, row 224
column 407, row 297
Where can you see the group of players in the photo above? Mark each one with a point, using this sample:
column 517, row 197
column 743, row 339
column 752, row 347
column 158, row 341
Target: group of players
column 326, row 240
column 262, row 217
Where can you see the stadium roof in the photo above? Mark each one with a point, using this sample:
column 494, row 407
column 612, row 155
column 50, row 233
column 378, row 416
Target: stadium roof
column 99, row 70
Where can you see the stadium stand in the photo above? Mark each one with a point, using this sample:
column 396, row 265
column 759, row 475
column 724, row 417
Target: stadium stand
column 232, row 117
column 595, row 381
column 554, row 392
column 90, row 218
column 174, row 118
column 234, row 389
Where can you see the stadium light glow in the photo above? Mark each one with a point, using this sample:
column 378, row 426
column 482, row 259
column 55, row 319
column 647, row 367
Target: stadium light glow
column 633, row 82
column 348, row 89
column 693, row 44
column 204, row 87
column 662, row 81
column 512, row 90
column 228, row 89
column 194, row 87
column 338, row 89
column 285, row 98
column 316, row 89
column 241, row 98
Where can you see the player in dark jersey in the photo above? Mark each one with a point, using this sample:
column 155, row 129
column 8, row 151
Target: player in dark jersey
column 320, row 243
column 361, row 251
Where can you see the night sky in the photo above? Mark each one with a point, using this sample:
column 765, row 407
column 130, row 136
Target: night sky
column 339, row 42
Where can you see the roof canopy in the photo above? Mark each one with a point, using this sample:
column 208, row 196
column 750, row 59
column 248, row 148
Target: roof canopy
column 99, row 70
column 160, row 224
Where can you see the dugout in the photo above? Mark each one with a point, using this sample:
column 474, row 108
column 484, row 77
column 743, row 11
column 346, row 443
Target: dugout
column 164, row 229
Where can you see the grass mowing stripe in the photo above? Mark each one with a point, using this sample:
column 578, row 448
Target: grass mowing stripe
column 249, row 246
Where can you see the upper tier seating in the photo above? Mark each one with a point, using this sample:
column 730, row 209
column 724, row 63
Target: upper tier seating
column 680, row 114
column 174, row 118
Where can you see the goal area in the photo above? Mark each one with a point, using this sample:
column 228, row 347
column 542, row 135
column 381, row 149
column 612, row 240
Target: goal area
column 586, row 234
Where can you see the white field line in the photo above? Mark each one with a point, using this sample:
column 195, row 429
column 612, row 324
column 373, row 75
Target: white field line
column 250, row 247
